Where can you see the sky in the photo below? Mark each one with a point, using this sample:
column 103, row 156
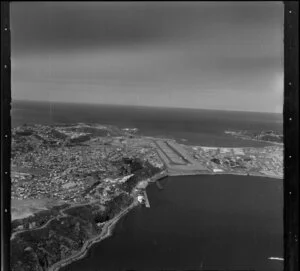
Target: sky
column 206, row 55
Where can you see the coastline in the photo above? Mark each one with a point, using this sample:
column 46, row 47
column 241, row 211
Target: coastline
column 106, row 232
column 108, row 228
column 227, row 173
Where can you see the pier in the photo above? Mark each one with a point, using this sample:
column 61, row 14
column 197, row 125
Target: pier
column 147, row 204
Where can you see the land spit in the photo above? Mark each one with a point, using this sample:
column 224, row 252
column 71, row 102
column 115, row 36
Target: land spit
column 178, row 162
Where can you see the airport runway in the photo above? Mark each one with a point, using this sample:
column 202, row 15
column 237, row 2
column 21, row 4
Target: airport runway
column 176, row 159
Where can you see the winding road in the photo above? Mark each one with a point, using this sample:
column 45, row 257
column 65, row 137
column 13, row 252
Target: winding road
column 61, row 214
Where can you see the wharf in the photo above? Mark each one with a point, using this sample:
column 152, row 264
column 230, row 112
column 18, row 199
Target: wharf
column 147, row 203
column 159, row 176
column 159, row 186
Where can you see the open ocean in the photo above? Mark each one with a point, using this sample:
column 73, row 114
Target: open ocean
column 196, row 126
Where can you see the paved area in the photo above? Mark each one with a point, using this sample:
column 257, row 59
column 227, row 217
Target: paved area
column 177, row 160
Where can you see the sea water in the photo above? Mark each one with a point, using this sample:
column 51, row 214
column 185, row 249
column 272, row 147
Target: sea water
column 188, row 126
column 197, row 222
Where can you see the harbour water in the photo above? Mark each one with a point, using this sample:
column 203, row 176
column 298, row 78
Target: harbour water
column 197, row 222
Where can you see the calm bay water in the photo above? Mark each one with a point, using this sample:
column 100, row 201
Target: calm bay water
column 198, row 127
column 209, row 222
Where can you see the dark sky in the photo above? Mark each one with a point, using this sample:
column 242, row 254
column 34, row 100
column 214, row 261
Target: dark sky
column 215, row 55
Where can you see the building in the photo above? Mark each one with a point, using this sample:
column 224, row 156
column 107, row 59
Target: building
column 140, row 199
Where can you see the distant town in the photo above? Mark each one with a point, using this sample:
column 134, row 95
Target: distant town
column 71, row 183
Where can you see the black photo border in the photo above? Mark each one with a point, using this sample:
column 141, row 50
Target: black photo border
column 291, row 135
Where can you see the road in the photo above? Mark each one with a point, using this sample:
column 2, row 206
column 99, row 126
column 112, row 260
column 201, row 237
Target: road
column 61, row 214
column 106, row 232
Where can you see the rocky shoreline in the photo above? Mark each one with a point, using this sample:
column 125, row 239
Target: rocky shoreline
column 107, row 231
column 109, row 226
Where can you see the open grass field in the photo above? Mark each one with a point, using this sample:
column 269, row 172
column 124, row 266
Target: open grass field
column 24, row 208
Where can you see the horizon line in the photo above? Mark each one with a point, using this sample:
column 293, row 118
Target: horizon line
column 149, row 106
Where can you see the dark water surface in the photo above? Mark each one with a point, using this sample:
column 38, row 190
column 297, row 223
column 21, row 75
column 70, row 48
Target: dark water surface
column 198, row 127
column 222, row 222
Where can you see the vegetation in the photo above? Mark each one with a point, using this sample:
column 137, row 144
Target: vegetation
column 141, row 172
column 38, row 219
column 114, row 206
column 83, row 212
column 38, row 249
column 215, row 160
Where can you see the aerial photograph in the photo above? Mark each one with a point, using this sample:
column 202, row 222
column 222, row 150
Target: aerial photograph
column 146, row 136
